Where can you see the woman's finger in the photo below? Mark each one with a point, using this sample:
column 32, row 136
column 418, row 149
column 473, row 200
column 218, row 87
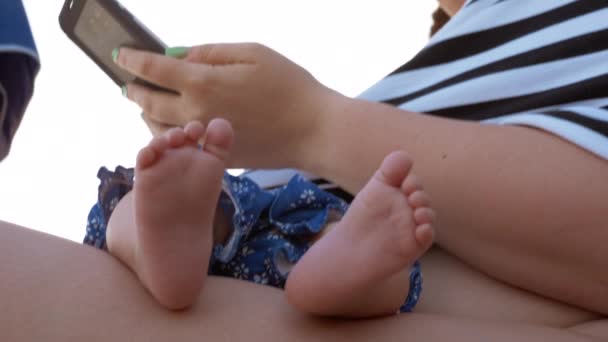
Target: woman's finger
column 159, row 105
column 226, row 53
column 161, row 70
column 155, row 127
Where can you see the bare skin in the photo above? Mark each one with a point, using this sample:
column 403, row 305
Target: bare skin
column 483, row 198
column 168, row 243
column 462, row 164
column 56, row 290
column 360, row 268
column 451, row 6
column 175, row 197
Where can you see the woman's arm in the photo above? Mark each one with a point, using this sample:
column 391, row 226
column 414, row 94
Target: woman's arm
column 520, row 204
column 54, row 290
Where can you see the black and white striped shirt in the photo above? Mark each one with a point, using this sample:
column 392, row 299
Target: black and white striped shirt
column 539, row 63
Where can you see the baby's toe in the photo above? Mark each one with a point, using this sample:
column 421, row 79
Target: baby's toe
column 410, row 184
column 425, row 234
column 418, row 199
column 195, row 131
column 219, row 139
column 176, row 137
column 146, row 157
column 424, row 215
column 394, row 168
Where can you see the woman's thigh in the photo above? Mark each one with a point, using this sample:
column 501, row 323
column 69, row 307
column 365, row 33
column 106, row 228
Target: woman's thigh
column 57, row 290
column 452, row 287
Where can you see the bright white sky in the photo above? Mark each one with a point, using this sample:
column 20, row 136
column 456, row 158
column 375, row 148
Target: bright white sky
column 78, row 119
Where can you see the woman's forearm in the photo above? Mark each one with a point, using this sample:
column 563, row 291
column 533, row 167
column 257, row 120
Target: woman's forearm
column 533, row 205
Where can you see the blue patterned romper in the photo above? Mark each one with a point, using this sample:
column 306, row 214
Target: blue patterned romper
column 271, row 228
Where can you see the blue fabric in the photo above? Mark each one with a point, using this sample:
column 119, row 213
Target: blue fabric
column 271, row 229
column 415, row 289
column 14, row 26
column 18, row 69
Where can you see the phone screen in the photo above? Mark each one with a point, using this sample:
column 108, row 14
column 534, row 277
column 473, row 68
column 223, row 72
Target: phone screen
column 101, row 33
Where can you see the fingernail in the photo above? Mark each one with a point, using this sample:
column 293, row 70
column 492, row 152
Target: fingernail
column 177, row 52
column 125, row 90
column 115, row 54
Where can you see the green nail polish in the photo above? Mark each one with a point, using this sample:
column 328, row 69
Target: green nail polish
column 115, row 54
column 124, row 90
column 177, row 52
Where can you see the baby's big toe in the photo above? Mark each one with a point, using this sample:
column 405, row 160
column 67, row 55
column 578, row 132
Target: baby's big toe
column 394, row 168
column 219, row 139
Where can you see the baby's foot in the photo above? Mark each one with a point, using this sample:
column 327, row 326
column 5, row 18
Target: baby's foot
column 177, row 186
column 361, row 266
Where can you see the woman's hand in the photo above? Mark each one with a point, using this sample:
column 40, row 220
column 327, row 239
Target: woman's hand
column 155, row 127
column 276, row 107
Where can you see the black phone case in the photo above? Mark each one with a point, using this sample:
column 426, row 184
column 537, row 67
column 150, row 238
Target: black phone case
column 70, row 15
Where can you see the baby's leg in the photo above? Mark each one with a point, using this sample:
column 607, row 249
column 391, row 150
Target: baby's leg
column 168, row 242
column 360, row 268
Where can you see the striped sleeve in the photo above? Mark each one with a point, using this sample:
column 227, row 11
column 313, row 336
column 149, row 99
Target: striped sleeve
column 538, row 63
column 584, row 126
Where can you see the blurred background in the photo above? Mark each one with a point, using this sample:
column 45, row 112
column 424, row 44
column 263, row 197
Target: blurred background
column 78, row 120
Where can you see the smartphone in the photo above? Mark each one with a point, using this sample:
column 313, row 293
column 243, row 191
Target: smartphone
column 99, row 26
